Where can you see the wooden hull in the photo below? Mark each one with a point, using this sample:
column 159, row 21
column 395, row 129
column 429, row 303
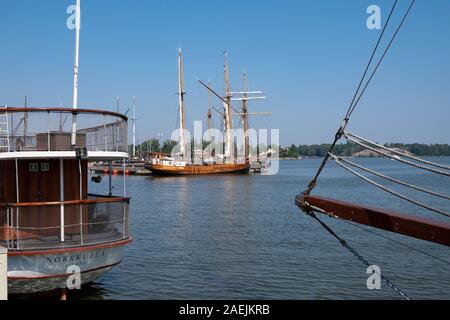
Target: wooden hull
column 164, row 170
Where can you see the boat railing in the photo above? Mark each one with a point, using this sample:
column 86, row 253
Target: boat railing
column 50, row 129
column 50, row 225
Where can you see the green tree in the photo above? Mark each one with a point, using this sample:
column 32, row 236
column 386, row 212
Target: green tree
column 168, row 145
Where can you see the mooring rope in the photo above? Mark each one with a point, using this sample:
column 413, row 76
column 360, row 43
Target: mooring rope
column 354, row 252
column 403, row 183
column 395, row 193
column 386, row 154
column 399, row 153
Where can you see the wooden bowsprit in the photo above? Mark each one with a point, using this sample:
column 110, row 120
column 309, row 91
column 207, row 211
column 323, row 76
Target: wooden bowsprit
column 413, row 226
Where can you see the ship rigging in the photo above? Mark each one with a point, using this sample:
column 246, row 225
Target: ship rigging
column 226, row 163
column 433, row 230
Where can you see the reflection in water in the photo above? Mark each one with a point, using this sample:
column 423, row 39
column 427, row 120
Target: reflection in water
column 92, row 291
column 242, row 237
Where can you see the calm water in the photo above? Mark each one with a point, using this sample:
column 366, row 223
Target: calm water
column 242, row 237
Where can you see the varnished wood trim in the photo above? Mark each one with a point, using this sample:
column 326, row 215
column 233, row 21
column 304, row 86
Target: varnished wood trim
column 428, row 229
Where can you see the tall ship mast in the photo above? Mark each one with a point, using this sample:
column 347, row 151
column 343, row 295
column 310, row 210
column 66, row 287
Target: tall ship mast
column 229, row 141
column 209, row 114
column 181, row 104
column 228, row 162
column 50, row 222
column 245, row 119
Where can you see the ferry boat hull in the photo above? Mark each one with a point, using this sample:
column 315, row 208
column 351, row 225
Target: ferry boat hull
column 41, row 271
column 201, row 169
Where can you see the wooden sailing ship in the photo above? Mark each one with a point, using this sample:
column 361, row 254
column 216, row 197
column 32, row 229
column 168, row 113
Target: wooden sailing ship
column 228, row 163
column 50, row 222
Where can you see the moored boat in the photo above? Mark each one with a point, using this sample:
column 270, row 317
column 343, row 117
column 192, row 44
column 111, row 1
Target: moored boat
column 52, row 226
column 203, row 162
column 181, row 168
column 49, row 221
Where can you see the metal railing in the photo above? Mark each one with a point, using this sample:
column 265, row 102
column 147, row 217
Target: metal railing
column 50, row 129
column 49, row 225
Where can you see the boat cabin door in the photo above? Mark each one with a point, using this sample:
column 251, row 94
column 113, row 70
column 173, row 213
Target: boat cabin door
column 39, row 180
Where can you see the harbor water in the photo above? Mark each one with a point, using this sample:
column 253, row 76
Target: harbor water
column 242, row 237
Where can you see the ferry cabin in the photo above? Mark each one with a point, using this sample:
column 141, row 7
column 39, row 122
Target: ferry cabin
column 47, row 213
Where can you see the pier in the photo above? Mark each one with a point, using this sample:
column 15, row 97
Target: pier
column 135, row 170
column 255, row 167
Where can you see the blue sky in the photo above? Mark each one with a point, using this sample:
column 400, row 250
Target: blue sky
column 307, row 56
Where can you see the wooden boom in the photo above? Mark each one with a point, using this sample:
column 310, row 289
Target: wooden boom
column 413, row 226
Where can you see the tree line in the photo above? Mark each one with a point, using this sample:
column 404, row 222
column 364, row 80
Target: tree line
column 304, row 150
column 349, row 149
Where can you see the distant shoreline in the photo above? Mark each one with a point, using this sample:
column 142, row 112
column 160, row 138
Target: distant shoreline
column 319, row 157
column 355, row 150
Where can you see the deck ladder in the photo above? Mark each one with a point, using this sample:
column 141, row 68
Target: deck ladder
column 4, row 130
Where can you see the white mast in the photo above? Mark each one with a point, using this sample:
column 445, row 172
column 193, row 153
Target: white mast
column 209, row 112
column 181, row 102
column 245, row 119
column 75, row 72
column 134, row 127
column 228, row 125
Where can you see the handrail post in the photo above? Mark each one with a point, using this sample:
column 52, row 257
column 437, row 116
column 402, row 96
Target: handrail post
column 3, row 273
column 125, row 208
column 17, row 229
column 81, row 225
column 8, row 230
column 105, row 136
column 61, row 197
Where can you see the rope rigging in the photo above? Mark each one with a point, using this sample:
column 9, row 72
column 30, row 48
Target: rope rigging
column 347, row 115
column 350, row 111
column 401, row 196
column 403, row 183
column 354, row 252
column 353, row 104
column 397, row 242
column 382, row 150
column 397, row 152
column 386, row 154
